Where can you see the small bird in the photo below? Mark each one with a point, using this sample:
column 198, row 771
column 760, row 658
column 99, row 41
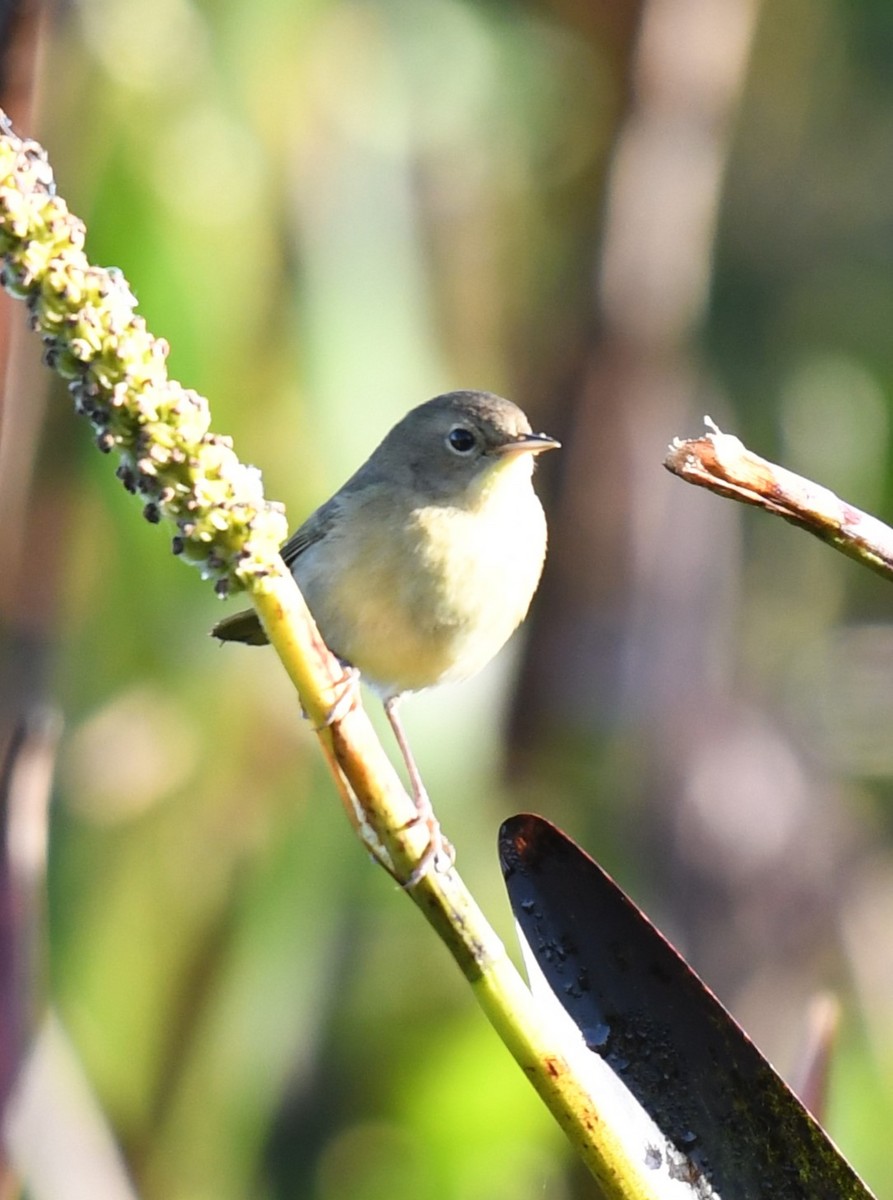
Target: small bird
column 422, row 565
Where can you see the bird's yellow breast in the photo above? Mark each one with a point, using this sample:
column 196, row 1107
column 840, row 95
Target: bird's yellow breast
column 429, row 593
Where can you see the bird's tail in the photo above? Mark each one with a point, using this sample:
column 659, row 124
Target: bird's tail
column 241, row 627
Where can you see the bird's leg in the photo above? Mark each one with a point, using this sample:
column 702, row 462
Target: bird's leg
column 419, row 794
column 438, row 847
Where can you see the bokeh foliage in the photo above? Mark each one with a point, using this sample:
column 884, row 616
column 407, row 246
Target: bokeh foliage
column 333, row 210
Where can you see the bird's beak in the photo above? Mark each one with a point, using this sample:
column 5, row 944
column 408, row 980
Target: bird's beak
column 528, row 443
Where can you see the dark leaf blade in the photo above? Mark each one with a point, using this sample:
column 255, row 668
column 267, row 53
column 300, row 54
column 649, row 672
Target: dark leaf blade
column 645, row 1012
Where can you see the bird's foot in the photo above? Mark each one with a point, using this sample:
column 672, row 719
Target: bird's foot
column 439, row 854
column 348, row 694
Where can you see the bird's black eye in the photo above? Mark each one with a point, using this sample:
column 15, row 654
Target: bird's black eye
column 461, row 440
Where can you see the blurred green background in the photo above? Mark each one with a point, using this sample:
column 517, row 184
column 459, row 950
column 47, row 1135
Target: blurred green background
column 622, row 216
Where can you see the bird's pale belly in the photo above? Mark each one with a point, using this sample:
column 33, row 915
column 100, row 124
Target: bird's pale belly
column 435, row 604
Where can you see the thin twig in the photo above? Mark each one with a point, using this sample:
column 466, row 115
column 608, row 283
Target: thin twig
column 811, row 1074
column 721, row 463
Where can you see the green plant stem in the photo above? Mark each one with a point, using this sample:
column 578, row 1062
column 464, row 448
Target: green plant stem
column 224, row 525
